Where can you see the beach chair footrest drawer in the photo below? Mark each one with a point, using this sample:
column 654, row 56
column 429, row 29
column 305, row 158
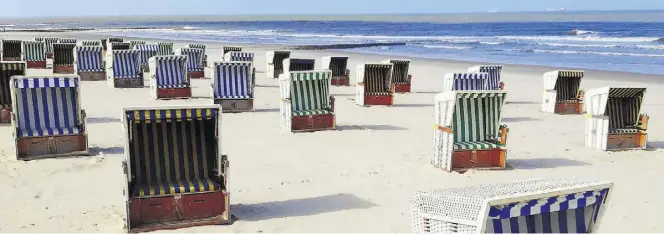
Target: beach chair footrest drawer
column 378, row 100
column 235, row 105
column 196, row 74
column 5, row 115
column 93, row 76
column 463, row 160
column 128, row 83
column 63, row 69
column 51, row 146
column 312, row 122
column 173, row 93
column 569, row 108
column 340, row 80
column 36, row 64
column 401, row 87
column 618, row 141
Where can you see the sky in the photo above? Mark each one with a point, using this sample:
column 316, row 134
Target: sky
column 49, row 8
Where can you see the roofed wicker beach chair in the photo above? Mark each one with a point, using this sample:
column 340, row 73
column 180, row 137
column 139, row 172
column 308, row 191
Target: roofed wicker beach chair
column 614, row 118
column 227, row 49
column 204, row 48
column 7, row 70
column 464, row 81
column 168, row 77
column 133, row 43
column 562, row 93
column 123, row 69
column 306, row 103
column 374, row 85
column 275, row 63
column 165, row 48
column 175, row 173
column 11, row 50
column 63, row 58
column 89, row 63
column 493, row 82
column 233, row 87
column 48, row 41
column 90, row 43
column 47, row 119
column 401, row 79
column 468, row 133
column 195, row 67
column 527, row 206
column 238, row 56
column 67, row 40
column 34, row 54
column 145, row 52
column 339, row 67
column 296, row 64
column 105, row 41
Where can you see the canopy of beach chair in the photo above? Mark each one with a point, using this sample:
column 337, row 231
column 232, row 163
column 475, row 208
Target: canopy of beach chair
column 34, row 51
column 170, row 71
column 465, row 81
column 125, row 64
column 89, row 59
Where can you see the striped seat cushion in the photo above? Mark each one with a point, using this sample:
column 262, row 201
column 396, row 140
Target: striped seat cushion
column 239, row 56
column 312, row 112
column 493, row 80
column 624, row 130
column 476, row 118
column 567, row 88
column 623, row 107
column 47, row 106
column 233, row 80
column 483, row 145
column 145, row 52
column 165, row 48
column 176, row 187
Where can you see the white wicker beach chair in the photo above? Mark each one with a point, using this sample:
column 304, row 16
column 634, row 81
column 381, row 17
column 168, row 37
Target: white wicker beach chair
column 233, row 87
column 614, row 118
column 339, row 67
column 34, row 54
column 168, row 77
column 401, row 79
column 530, row 206
column 562, row 93
column 274, row 64
column 89, row 63
column 374, row 85
column 123, row 69
column 306, row 103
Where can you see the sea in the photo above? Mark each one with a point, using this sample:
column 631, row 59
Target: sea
column 591, row 44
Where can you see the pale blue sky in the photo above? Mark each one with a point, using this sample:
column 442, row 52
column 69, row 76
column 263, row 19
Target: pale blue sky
column 45, row 8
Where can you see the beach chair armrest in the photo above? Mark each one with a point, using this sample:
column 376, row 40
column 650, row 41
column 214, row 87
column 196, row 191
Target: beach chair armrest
column 332, row 99
column 446, row 129
column 410, row 77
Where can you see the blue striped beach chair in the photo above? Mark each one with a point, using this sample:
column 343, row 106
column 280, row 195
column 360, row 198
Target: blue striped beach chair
column 468, row 133
column 11, row 50
column 202, row 47
column 123, row 69
column 306, row 103
column 226, row 49
column 615, row 120
column 562, row 93
column 145, row 53
column 7, row 70
column 525, row 206
column 89, row 63
column 494, row 71
column 174, row 156
column 233, row 87
column 339, row 67
column 34, row 54
column 63, row 58
column 374, row 85
column 238, row 56
column 168, row 77
column 165, row 48
column 47, row 119
column 89, row 43
column 401, row 79
column 464, row 81
column 275, row 62
column 194, row 62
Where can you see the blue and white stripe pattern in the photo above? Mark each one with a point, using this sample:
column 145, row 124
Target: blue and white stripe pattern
column 145, row 52
column 194, row 58
column 493, row 81
column 125, row 64
column 89, row 59
column 171, row 71
column 232, row 80
column 470, row 81
column 46, row 106
column 571, row 213
column 239, row 56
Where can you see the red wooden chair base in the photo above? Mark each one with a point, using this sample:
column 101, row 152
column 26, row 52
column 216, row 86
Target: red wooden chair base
column 63, row 69
column 312, row 123
column 340, row 81
column 178, row 211
column 625, row 141
column 29, row 148
column 464, row 160
column 196, row 74
column 401, row 87
column 381, row 100
column 174, row 93
column 6, row 115
column 128, row 82
column 36, row 64
column 92, row 76
column 569, row 108
column 235, row 105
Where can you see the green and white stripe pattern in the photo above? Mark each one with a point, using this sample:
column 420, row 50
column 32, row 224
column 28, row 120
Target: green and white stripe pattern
column 49, row 41
column 165, row 48
column 476, row 120
column 34, row 51
column 310, row 93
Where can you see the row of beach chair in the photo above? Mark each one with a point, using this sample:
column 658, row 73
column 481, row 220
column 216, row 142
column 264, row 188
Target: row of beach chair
column 176, row 175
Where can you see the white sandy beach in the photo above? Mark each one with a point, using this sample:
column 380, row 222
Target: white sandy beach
column 358, row 178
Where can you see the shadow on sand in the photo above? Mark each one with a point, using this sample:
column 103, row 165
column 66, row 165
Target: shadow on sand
column 299, row 207
column 519, row 119
column 106, row 150
column 368, row 127
column 101, row 120
column 540, row 163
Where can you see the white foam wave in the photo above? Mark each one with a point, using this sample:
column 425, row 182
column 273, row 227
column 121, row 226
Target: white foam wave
column 447, row 47
column 584, row 38
column 598, row 53
column 7, row 25
column 579, row 45
column 491, row 42
column 653, row 47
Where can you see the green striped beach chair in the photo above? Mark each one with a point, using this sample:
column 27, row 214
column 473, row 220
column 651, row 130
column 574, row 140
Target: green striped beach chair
column 34, row 54
column 614, row 118
column 374, row 84
column 48, row 41
column 7, row 70
column 562, row 93
column 275, row 62
column 401, row 79
column 306, row 103
column 165, row 48
column 175, row 173
column 339, row 67
column 468, row 133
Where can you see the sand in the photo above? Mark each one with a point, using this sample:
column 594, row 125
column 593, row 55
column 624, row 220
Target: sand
column 358, row 178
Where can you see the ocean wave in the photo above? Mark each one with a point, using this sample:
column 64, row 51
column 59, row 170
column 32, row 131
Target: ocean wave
column 579, row 45
column 575, row 38
column 581, row 32
column 598, row 53
column 653, row 47
column 447, row 47
column 659, row 40
column 491, row 42
column 7, row 25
